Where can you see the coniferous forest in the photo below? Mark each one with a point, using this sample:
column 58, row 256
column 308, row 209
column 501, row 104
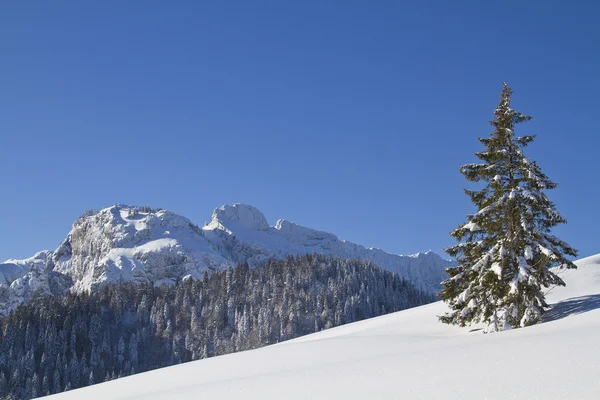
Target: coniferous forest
column 58, row 344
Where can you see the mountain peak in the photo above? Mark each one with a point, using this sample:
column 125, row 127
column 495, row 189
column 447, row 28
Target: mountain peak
column 241, row 215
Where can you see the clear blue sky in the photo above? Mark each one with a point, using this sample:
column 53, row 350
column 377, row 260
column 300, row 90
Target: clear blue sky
column 346, row 116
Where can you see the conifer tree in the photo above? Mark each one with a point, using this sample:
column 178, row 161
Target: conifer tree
column 505, row 250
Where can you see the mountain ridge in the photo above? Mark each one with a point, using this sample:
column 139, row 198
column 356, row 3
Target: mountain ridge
column 142, row 244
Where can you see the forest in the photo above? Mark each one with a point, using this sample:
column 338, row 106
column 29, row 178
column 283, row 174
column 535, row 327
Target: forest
column 62, row 343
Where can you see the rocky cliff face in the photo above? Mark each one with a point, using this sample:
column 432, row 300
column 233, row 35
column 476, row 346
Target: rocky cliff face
column 130, row 243
column 124, row 243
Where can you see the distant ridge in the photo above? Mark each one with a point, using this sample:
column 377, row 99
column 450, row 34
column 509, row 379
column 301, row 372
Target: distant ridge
column 142, row 244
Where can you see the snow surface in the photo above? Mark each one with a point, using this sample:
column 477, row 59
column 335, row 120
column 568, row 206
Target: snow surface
column 128, row 243
column 403, row 355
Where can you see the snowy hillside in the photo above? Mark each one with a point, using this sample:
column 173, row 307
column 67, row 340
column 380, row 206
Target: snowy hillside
column 403, row 355
column 125, row 243
column 26, row 278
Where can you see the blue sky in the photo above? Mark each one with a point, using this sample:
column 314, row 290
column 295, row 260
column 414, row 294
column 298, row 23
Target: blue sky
column 347, row 116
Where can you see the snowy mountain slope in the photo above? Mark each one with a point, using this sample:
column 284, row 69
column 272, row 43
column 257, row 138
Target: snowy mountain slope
column 126, row 243
column 26, row 278
column 248, row 237
column 403, row 355
column 13, row 269
column 144, row 245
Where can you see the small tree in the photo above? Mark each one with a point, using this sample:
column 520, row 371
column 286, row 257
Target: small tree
column 505, row 250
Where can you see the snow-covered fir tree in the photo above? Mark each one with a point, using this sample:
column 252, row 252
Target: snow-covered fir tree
column 505, row 250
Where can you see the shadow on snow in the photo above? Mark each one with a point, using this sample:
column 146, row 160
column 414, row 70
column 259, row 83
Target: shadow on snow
column 572, row 306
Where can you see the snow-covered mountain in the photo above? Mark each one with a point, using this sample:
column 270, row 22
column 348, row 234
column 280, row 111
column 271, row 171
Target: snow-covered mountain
column 22, row 279
column 242, row 233
column 153, row 245
column 408, row 354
